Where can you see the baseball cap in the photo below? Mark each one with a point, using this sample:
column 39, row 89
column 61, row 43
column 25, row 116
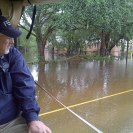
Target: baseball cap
column 7, row 29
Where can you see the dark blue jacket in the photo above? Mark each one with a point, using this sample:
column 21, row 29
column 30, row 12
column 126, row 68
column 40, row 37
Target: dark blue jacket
column 17, row 89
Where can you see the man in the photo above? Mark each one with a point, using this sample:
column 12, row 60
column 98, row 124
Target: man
column 17, row 91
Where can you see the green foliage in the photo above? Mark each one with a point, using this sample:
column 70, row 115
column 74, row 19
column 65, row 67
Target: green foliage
column 97, row 15
column 31, row 42
column 93, row 17
column 78, row 21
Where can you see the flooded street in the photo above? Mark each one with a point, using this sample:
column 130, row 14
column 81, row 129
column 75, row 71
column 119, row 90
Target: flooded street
column 99, row 92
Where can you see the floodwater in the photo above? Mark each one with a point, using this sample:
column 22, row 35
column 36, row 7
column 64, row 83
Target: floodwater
column 99, row 92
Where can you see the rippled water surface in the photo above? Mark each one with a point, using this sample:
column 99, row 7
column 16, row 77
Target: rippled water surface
column 99, row 92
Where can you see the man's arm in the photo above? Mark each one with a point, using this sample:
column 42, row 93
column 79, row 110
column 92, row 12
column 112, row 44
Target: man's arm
column 24, row 92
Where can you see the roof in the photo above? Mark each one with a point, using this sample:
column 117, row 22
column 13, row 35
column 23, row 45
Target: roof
column 12, row 9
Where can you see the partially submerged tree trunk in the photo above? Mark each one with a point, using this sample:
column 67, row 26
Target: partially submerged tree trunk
column 104, row 44
column 40, row 45
column 127, row 50
column 42, row 41
column 41, row 48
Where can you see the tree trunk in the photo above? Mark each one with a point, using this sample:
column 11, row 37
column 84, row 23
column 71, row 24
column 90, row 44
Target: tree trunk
column 53, row 53
column 41, row 48
column 127, row 49
column 104, row 44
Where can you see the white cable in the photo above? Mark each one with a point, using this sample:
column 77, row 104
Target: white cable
column 82, row 119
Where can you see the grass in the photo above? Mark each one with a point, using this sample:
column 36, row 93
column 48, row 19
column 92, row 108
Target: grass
column 77, row 58
column 97, row 57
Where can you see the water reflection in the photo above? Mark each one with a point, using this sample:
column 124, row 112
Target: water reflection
column 77, row 82
column 67, row 79
column 105, row 69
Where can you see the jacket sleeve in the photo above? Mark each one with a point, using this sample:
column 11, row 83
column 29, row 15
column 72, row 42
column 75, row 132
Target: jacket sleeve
column 23, row 87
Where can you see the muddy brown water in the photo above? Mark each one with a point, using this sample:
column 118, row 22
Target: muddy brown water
column 99, row 92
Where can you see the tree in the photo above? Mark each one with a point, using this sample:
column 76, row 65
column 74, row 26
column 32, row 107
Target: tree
column 45, row 24
column 77, row 21
column 108, row 20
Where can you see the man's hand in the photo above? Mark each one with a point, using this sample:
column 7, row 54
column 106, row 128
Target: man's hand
column 38, row 127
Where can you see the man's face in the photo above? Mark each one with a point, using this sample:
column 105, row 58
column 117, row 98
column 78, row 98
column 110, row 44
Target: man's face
column 5, row 44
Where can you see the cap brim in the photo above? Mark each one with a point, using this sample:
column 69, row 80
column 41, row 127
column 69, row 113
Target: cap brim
column 11, row 32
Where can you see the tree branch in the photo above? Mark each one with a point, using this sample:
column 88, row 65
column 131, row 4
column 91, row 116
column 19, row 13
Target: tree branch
column 21, row 26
